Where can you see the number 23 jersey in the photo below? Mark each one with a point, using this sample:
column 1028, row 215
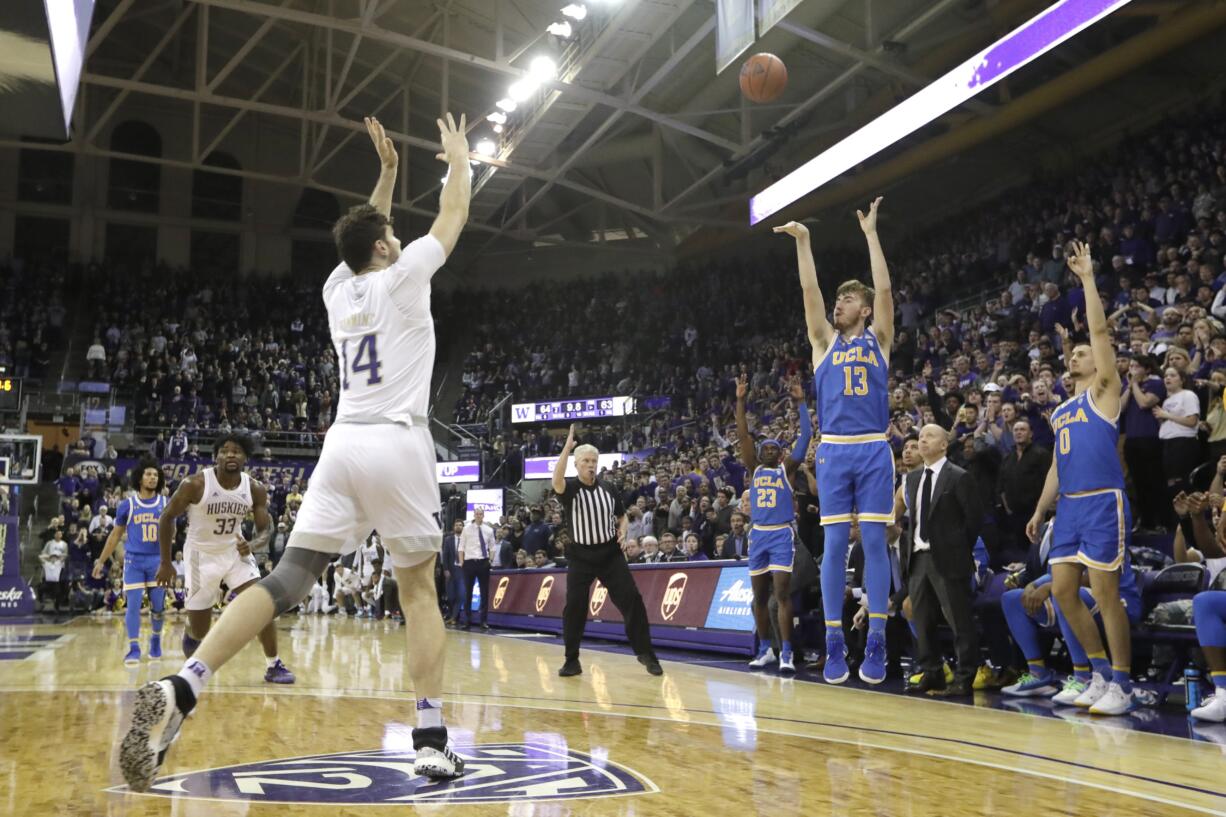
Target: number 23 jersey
column 215, row 521
column 851, row 383
column 383, row 334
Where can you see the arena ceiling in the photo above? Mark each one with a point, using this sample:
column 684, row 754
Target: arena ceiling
column 638, row 146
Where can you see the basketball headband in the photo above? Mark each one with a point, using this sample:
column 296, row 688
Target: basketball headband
column 767, row 442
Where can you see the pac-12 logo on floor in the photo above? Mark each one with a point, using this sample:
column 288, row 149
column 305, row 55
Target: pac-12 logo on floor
column 494, row 773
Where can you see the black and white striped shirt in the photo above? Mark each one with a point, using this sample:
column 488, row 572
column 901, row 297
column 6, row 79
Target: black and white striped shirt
column 592, row 512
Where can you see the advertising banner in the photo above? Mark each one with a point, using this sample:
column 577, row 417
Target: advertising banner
column 734, row 30
column 732, row 603
column 16, row 597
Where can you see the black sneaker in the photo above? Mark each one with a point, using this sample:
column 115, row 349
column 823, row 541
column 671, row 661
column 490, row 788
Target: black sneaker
column 571, row 667
column 652, row 664
column 157, row 716
column 432, row 757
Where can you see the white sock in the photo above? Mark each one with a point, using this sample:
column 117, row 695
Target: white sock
column 272, row 660
column 196, row 673
column 429, row 712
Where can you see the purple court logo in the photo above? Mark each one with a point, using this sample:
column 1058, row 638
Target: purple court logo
column 494, row 773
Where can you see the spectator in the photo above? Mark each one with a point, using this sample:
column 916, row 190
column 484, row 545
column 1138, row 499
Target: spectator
column 1179, row 414
column 1021, row 482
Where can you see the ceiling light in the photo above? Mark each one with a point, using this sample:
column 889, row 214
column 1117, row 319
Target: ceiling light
column 486, row 147
column 543, row 68
column 507, row 105
column 522, row 89
column 497, row 128
column 497, row 117
column 562, row 29
column 576, row 11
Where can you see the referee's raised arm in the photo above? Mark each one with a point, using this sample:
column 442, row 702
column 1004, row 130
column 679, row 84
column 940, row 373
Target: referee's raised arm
column 559, row 468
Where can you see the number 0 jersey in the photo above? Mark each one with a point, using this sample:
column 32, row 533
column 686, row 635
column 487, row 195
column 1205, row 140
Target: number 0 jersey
column 384, row 336
column 1086, row 456
column 851, row 384
column 215, row 521
column 770, row 497
column 140, row 520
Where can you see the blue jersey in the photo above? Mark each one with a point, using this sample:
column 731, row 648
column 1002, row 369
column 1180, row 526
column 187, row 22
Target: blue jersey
column 851, row 383
column 141, row 518
column 770, row 497
column 1086, row 457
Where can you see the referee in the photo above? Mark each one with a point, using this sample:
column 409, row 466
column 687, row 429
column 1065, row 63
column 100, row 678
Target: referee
column 596, row 519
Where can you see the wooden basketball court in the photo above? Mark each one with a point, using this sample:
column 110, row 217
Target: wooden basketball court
column 614, row 741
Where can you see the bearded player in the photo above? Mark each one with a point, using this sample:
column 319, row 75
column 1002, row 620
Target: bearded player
column 855, row 464
column 376, row 469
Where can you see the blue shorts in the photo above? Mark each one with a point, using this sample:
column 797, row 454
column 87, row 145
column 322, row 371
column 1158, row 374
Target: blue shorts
column 140, row 571
column 855, row 477
column 771, row 549
column 1092, row 528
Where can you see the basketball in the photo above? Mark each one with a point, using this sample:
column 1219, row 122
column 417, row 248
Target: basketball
column 763, row 78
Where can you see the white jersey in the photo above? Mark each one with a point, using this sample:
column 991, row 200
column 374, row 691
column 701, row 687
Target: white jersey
column 215, row 521
column 384, row 336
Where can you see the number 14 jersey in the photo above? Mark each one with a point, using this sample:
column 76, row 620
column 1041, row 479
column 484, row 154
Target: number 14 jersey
column 383, row 333
column 851, row 382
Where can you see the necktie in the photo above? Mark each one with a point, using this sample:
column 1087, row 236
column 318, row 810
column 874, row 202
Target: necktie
column 926, row 504
column 485, row 554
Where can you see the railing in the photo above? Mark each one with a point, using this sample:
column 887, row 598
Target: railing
column 287, row 441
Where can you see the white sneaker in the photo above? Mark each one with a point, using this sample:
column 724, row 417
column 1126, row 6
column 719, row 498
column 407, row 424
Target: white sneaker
column 438, row 764
column 1068, row 696
column 767, row 656
column 1212, row 709
column 156, row 719
column 1096, row 689
column 1115, row 702
column 786, row 661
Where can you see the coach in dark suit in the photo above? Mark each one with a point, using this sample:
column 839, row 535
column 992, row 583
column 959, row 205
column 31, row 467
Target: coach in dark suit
column 937, row 561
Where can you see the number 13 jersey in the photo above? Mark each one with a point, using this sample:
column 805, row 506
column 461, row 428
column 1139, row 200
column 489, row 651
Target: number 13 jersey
column 383, row 334
column 851, row 383
column 215, row 521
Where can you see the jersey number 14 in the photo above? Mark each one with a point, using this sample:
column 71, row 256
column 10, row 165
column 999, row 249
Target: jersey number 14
column 365, row 359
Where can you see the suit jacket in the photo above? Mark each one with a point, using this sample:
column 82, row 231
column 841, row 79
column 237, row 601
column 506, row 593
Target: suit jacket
column 449, row 556
column 730, row 545
column 956, row 515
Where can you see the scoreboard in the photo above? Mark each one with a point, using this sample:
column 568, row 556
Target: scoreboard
column 10, row 393
column 578, row 409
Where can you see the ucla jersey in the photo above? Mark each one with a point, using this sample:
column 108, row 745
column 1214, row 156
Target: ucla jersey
column 770, row 497
column 1086, row 458
column 851, row 387
column 141, row 518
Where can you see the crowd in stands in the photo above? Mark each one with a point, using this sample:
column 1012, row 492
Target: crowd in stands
column 31, row 317
column 245, row 353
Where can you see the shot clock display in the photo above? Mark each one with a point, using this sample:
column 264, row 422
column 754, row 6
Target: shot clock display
column 10, row 393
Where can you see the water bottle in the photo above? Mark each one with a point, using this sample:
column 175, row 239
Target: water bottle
column 1191, row 686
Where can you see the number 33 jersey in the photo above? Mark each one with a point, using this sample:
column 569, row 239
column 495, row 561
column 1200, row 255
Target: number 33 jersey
column 851, row 383
column 383, row 334
column 215, row 521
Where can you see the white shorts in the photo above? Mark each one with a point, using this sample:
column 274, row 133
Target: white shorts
column 373, row 477
column 206, row 571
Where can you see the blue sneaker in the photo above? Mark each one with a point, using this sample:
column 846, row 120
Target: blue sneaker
column 133, row 656
column 155, row 647
column 786, row 663
column 278, row 673
column 1031, row 685
column 835, row 671
column 872, row 669
column 189, row 644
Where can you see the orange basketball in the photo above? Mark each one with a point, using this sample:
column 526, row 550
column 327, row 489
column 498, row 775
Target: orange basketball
column 763, row 78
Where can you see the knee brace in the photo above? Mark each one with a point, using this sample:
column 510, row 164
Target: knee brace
column 291, row 580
